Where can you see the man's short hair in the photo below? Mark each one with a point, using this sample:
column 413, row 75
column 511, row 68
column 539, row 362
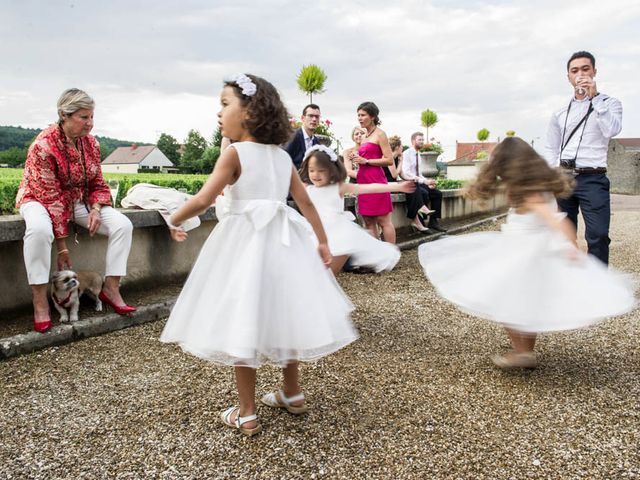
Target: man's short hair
column 582, row 54
column 416, row 134
column 312, row 106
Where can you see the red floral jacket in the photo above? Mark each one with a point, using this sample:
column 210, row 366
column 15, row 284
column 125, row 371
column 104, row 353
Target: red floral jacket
column 46, row 177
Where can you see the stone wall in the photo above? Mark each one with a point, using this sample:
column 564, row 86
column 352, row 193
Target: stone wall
column 155, row 259
column 624, row 169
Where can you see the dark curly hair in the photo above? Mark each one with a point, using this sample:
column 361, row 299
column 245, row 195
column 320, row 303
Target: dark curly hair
column 515, row 166
column 337, row 171
column 268, row 119
column 372, row 109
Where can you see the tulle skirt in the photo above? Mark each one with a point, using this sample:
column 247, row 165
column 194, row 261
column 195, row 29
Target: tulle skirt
column 251, row 299
column 525, row 280
column 347, row 238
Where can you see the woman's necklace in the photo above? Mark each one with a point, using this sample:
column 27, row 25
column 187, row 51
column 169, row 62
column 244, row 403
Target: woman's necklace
column 371, row 132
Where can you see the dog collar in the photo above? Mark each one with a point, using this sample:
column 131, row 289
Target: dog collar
column 62, row 303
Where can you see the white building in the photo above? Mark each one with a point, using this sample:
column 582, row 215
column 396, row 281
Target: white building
column 134, row 158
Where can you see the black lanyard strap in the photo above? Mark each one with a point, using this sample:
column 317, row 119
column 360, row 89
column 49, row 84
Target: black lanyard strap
column 582, row 122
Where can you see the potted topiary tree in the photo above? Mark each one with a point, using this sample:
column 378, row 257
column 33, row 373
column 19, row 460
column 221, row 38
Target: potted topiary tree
column 428, row 119
column 431, row 150
column 311, row 80
column 482, row 155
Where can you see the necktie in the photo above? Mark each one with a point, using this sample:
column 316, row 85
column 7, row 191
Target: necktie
column 417, row 167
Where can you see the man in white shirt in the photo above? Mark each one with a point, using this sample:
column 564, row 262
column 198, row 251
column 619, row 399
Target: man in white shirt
column 578, row 139
column 426, row 193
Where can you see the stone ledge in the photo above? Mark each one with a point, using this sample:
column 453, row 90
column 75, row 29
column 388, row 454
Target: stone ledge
column 65, row 333
column 12, row 226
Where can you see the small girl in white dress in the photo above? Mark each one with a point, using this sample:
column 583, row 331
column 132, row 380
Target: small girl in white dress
column 259, row 293
column 325, row 174
column 530, row 277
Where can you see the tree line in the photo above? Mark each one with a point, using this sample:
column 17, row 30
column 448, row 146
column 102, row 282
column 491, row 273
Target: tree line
column 15, row 141
column 195, row 155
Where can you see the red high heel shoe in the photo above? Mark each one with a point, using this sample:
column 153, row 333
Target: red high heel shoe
column 120, row 310
column 42, row 326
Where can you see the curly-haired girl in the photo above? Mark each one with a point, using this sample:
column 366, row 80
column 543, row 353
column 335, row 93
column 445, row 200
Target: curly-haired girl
column 246, row 301
column 530, row 277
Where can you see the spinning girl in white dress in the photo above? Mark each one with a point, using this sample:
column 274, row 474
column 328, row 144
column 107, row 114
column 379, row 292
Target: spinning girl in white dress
column 530, row 277
column 259, row 293
column 326, row 174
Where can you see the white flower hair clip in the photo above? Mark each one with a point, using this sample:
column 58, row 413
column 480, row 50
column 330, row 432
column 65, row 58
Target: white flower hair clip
column 245, row 83
column 321, row 148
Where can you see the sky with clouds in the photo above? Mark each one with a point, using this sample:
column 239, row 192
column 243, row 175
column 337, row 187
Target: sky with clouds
column 157, row 66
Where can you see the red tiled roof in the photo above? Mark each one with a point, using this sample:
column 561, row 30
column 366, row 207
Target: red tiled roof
column 128, row 155
column 629, row 142
column 466, row 152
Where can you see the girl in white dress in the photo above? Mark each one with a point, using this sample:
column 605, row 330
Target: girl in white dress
column 530, row 277
column 325, row 176
column 259, row 293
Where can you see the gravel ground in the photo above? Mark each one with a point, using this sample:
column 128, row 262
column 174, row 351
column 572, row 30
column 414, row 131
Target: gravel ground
column 415, row 397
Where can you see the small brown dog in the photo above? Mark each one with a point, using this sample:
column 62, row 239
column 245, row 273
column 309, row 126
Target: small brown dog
column 66, row 288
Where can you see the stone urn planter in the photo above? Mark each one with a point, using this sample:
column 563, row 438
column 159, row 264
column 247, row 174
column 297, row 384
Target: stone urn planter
column 323, row 140
column 428, row 166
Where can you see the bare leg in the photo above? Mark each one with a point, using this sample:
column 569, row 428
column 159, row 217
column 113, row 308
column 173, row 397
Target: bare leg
column 111, row 289
column 371, row 224
column 337, row 263
column 388, row 230
column 521, row 342
column 291, row 374
column 246, row 382
column 40, row 303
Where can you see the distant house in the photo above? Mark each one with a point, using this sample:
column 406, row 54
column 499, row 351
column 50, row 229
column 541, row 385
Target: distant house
column 134, row 158
column 465, row 165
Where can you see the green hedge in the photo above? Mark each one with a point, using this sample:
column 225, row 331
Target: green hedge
column 190, row 183
column 447, row 184
column 10, row 180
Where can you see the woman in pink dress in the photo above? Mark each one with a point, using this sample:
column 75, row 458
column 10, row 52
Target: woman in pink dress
column 373, row 154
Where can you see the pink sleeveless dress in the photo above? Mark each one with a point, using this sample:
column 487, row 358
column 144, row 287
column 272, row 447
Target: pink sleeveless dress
column 372, row 204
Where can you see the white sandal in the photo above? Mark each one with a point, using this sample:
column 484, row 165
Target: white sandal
column 225, row 417
column 513, row 360
column 271, row 400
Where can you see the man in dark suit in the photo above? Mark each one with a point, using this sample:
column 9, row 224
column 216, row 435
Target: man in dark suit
column 304, row 138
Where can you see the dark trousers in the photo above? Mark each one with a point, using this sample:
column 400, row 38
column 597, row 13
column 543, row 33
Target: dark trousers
column 424, row 196
column 591, row 197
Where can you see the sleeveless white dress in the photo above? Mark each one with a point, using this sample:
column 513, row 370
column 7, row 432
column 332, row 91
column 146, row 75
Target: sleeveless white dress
column 258, row 292
column 347, row 238
column 523, row 278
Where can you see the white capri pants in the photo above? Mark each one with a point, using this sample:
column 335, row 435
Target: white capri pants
column 38, row 239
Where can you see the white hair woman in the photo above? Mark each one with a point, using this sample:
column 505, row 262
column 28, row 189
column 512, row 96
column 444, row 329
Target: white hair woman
column 62, row 183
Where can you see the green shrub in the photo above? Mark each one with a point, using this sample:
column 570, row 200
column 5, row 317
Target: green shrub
column 10, row 181
column 8, row 192
column 448, row 184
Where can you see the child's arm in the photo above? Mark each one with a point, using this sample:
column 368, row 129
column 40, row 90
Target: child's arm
column 226, row 171
column 537, row 204
column 304, row 203
column 355, row 188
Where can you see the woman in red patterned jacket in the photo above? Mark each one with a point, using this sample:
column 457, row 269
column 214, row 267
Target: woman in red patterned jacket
column 62, row 182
